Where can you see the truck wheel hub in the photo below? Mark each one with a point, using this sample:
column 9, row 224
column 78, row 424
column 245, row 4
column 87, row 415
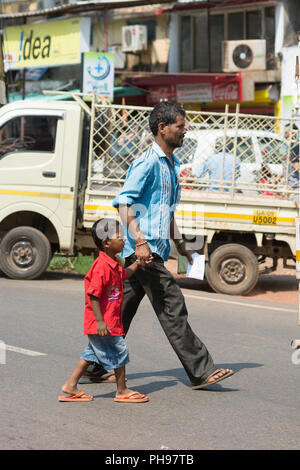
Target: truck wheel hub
column 232, row 271
column 22, row 254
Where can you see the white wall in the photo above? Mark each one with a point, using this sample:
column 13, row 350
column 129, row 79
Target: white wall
column 279, row 28
column 288, row 84
column 174, row 53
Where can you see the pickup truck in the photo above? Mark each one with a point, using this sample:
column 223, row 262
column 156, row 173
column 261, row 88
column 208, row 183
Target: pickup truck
column 63, row 162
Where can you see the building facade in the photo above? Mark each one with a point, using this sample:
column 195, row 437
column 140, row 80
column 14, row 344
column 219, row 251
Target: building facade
column 203, row 54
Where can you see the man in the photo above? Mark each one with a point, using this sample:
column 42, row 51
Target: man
column 294, row 169
column 219, row 168
column 290, row 161
column 290, row 139
column 146, row 206
column 293, row 172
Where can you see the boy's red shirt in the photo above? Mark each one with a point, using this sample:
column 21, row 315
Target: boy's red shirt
column 105, row 281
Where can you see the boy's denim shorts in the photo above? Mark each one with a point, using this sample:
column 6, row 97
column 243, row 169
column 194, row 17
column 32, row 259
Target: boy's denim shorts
column 109, row 351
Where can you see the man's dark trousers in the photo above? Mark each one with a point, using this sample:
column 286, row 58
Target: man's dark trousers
column 169, row 305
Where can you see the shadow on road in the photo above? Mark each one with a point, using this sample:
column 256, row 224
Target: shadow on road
column 54, row 276
column 145, row 388
column 275, row 283
column 188, row 283
column 57, row 275
column 267, row 283
column 270, row 283
column 180, row 376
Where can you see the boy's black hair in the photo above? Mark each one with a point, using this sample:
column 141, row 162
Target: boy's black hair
column 165, row 112
column 104, row 229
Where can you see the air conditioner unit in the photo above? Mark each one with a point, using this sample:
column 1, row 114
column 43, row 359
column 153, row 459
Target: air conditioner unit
column 244, row 55
column 134, row 38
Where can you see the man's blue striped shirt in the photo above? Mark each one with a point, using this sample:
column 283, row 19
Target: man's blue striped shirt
column 152, row 191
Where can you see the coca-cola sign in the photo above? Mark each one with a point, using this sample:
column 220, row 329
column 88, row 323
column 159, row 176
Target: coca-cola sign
column 229, row 92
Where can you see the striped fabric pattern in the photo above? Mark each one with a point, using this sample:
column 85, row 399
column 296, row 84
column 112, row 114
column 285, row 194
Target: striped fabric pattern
column 152, row 192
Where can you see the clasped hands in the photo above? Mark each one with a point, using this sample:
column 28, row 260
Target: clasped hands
column 144, row 254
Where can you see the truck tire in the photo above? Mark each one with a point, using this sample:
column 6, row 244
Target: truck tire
column 232, row 269
column 25, row 253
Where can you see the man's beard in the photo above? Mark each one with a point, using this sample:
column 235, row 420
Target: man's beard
column 176, row 144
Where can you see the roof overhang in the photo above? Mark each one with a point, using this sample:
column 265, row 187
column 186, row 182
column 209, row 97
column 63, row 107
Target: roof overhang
column 100, row 6
column 85, row 7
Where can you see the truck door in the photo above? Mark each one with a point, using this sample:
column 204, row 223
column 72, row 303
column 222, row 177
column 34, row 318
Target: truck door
column 30, row 160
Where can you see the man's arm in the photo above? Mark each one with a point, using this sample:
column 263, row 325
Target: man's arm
column 136, row 180
column 142, row 250
column 179, row 241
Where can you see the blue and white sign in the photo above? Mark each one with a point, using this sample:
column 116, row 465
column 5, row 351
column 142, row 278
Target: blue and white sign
column 98, row 74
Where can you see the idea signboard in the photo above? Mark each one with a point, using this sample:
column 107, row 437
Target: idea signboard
column 46, row 44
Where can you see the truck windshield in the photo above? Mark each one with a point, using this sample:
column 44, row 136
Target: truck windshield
column 28, row 134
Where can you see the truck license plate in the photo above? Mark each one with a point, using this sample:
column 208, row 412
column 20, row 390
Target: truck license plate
column 264, row 217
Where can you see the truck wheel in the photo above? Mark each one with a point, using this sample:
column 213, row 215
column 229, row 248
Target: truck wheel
column 232, row 269
column 25, row 253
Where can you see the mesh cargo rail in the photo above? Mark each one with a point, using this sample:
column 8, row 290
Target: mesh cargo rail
column 227, row 152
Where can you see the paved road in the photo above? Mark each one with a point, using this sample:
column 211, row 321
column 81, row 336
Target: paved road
column 258, row 408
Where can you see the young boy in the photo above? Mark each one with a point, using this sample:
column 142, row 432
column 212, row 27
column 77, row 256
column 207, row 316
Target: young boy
column 102, row 315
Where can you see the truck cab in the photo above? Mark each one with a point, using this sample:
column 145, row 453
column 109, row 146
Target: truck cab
column 40, row 151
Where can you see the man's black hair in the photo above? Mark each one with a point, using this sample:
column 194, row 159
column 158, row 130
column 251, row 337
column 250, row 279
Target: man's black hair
column 104, row 229
column 164, row 112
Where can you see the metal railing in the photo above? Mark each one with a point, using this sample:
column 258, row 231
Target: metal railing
column 227, row 152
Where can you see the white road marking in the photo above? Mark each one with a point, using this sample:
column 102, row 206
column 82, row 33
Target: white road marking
column 243, row 304
column 27, row 352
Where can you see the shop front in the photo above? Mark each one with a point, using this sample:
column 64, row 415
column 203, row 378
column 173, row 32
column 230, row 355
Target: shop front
column 206, row 92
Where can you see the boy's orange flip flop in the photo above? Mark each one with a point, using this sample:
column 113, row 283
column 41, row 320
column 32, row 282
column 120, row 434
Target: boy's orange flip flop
column 134, row 397
column 81, row 396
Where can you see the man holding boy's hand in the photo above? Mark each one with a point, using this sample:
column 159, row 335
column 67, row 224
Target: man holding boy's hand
column 146, row 205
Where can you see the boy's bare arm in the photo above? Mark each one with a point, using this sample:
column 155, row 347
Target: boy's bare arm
column 102, row 328
column 130, row 270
